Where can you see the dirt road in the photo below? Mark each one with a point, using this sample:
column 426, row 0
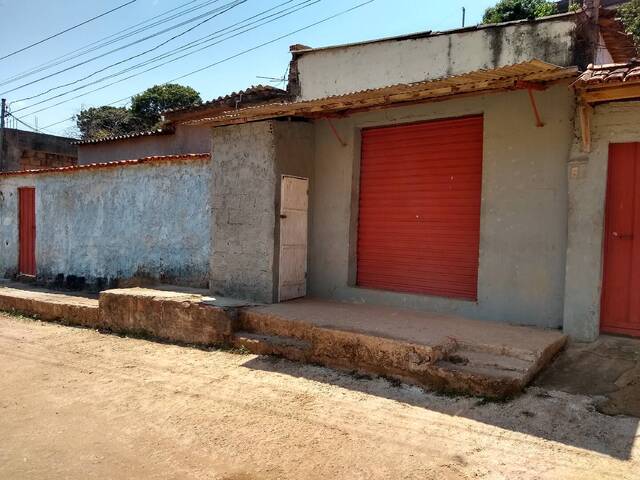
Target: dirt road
column 78, row 404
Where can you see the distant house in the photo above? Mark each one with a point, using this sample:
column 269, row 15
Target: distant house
column 23, row 150
column 458, row 172
column 173, row 138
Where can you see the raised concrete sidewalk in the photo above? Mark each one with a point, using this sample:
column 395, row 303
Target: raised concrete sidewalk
column 444, row 352
column 447, row 353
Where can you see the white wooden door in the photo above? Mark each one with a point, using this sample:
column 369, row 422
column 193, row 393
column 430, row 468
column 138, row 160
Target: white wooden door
column 294, row 205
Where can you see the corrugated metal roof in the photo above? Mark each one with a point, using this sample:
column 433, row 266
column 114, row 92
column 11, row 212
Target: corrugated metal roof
column 119, row 163
column 480, row 81
column 149, row 133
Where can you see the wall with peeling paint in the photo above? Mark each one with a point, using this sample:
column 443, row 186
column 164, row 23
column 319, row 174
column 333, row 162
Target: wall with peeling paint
column 100, row 227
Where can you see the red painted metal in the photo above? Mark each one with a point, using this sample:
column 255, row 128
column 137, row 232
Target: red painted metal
column 419, row 219
column 27, row 230
column 620, row 310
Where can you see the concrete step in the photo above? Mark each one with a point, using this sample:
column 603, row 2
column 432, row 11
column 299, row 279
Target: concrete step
column 493, row 361
column 264, row 344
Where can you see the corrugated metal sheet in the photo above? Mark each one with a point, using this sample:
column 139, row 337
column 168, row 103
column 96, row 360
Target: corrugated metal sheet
column 477, row 82
column 27, row 230
column 419, row 220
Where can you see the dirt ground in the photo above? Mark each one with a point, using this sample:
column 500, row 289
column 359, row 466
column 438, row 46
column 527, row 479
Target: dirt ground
column 77, row 404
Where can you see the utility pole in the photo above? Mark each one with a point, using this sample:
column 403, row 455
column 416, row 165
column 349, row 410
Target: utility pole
column 592, row 8
column 464, row 14
column 3, row 115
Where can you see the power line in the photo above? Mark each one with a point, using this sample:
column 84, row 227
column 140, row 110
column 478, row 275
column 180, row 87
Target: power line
column 324, row 20
column 67, row 30
column 58, row 72
column 106, row 41
column 299, row 6
column 22, row 122
column 206, row 39
column 221, row 11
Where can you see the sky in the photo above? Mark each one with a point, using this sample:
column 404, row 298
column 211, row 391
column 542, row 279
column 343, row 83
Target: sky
column 28, row 21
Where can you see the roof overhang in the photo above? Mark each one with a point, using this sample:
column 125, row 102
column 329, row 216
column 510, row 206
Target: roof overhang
column 609, row 83
column 533, row 74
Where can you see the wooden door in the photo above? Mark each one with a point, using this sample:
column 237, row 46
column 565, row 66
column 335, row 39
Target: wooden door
column 27, row 231
column 620, row 311
column 294, row 204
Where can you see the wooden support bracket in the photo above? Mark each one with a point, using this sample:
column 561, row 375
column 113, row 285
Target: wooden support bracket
column 335, row 132
column 585, row 112
column 534, row 107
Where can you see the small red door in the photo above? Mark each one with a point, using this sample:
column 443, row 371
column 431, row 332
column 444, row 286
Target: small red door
column 620, row 311
column 27, row 231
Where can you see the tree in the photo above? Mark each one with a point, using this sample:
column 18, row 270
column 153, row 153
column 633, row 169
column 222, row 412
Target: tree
column 148, row 106
column 508, row 10
column 101, row 122
column 629, row 15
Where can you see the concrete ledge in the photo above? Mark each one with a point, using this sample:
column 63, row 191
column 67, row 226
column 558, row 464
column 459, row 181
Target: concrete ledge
column 173, row 316
column 50, row 306
column 444, row 353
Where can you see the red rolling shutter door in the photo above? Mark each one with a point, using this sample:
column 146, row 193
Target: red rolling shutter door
column 419, row 221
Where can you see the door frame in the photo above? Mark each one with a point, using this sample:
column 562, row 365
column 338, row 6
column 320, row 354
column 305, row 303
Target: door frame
column 279, row 244
column 21, row 241
column 606, row 241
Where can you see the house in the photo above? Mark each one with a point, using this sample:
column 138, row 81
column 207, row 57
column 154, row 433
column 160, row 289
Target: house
column 455, row 172
column 172, row 138
column 23, row 150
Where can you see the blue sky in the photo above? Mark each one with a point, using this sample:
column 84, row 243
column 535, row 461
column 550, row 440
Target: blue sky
column 27, row 21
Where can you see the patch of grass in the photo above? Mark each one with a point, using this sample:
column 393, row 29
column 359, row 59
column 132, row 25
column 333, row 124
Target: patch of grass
column 227, row 348
column 20, row 315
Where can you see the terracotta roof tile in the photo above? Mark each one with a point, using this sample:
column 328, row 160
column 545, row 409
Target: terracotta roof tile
column 610, row 74
column 119, row 163
column 252, row 94
column 160, row 131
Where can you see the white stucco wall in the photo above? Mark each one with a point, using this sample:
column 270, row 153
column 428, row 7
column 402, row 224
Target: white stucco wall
column 587, row 172
column 523, row 214
column 335, row 71
column 148, row 221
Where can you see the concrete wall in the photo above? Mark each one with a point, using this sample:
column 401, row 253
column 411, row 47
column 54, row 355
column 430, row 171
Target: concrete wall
column 247, row 163
column 340, row 70
column 523, row 214
column 611, row 123
column 184, row 140
column 150, row 221
column 22, row 150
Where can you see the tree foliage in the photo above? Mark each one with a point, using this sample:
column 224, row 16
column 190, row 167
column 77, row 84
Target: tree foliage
column 100, row 122
column 148, row 106
column 508, row 10
column 629, row 15
column 144, row 114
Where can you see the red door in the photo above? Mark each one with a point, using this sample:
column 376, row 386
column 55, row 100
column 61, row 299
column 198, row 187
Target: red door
column 620, row 311
column 419, row 219
column 27, row 231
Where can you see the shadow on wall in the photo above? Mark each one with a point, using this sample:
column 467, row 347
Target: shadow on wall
column 554, row 416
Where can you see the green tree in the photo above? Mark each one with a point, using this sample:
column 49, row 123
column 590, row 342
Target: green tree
column 629, row 15
column 508, row 10
column 148, row 106
column 100, row 122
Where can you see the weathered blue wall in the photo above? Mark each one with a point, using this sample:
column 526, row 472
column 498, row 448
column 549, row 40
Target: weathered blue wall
column 148, row 222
